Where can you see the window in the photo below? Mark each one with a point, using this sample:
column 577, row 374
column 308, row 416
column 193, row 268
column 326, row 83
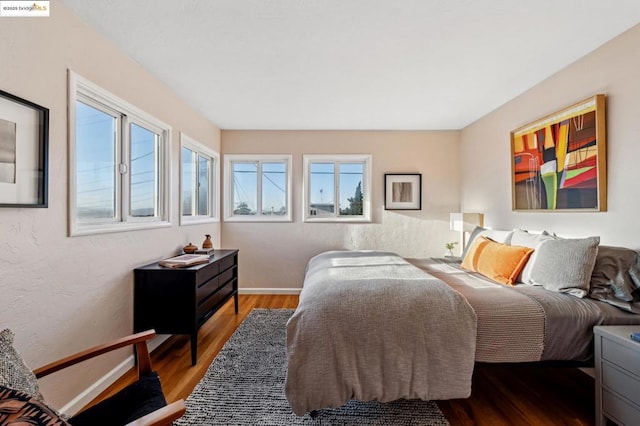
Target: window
column 199, row 198
column 337, row 188
column 258, row 188
column 118, row 163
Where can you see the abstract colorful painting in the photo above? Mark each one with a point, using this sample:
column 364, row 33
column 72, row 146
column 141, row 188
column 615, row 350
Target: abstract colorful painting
column 559, row 161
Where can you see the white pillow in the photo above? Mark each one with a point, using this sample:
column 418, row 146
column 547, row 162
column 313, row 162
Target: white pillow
column 525, row 239
column 498, row 236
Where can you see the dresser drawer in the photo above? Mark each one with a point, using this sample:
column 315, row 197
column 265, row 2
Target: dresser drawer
column 620, row 355
column 227, row 276
column 228, row 262
column 619, row 409
column 621, row 383
column 214, row 300
column 207, row 272
column 203, row 291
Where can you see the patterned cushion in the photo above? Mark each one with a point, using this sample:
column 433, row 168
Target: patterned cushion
column 14, row 373
column 20, row 408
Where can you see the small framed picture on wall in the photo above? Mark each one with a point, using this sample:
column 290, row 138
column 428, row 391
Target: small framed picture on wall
column 403, row 191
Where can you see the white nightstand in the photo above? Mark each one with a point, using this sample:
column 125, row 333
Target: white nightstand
column 617, row 375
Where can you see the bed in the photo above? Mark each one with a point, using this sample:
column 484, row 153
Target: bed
column 374, row 326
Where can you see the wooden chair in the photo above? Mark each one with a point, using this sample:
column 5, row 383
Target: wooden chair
column 162, row 416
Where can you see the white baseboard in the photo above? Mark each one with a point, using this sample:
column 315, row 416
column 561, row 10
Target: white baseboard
column 269, row 290
column 88, row 395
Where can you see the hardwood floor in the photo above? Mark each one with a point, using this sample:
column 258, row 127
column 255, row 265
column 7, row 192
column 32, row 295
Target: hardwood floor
column 501, row 395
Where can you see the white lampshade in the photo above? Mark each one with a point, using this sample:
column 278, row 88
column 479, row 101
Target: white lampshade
column 465, row 223
column 456, row 221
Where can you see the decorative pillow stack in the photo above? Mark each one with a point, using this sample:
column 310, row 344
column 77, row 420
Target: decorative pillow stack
column 579, row 266
column 557, row 264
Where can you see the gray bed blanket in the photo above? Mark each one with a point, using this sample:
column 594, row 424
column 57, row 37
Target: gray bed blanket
column 371, row 326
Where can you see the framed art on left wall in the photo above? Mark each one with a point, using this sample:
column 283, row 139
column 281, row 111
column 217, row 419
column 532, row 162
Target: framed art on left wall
column 24, row 140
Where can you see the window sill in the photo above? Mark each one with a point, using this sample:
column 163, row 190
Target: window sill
column 260, row 219
column 186, row 221
column 116, row 227
column 337, row 220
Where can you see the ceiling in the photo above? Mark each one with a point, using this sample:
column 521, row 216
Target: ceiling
column 354, row 64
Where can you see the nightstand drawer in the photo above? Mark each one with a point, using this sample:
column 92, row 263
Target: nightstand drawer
column 620, row 355
column 619, row 409
column 621, row 382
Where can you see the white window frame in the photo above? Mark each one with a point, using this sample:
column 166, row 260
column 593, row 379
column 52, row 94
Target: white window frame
column 214, row 180
column 81, row 89
column 228, row 184
column 337, row 159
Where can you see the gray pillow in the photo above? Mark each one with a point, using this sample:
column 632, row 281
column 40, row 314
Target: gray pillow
column 14, row 373
column 564, row 265
column 616, row 278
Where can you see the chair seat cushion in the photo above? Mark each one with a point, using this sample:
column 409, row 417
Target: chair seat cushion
column 136, row 400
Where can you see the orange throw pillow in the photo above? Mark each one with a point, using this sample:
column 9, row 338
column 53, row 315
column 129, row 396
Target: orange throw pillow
column 500, row 262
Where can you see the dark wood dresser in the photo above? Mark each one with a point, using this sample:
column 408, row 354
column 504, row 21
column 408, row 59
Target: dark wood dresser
column 180, row 300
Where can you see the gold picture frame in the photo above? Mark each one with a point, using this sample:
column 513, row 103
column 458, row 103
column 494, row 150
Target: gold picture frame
column 558, row 163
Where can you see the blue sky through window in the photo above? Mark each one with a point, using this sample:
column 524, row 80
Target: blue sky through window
column 96, row 162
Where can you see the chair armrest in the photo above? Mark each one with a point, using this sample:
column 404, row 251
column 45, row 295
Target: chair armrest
column 138, row 339
column 162, row 416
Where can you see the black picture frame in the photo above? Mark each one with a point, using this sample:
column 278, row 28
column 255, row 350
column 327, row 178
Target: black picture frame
column 24, row 152
column 403, row 191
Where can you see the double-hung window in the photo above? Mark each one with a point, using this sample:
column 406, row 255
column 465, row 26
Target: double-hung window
column 199, row 199
column 118, row 163
column 258, row 188
column 337, row 188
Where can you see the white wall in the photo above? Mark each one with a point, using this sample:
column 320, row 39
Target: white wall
column 486, row 168
column 274, row 255
column 62, row 294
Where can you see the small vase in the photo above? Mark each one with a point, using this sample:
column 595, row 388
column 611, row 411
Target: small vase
column 207, row 243
column 448, row 253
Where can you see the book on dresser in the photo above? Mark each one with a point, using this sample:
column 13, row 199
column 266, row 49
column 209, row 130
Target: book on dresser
column 184, row 261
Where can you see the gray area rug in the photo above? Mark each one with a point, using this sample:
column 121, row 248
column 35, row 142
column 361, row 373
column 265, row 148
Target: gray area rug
column 245, row 386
